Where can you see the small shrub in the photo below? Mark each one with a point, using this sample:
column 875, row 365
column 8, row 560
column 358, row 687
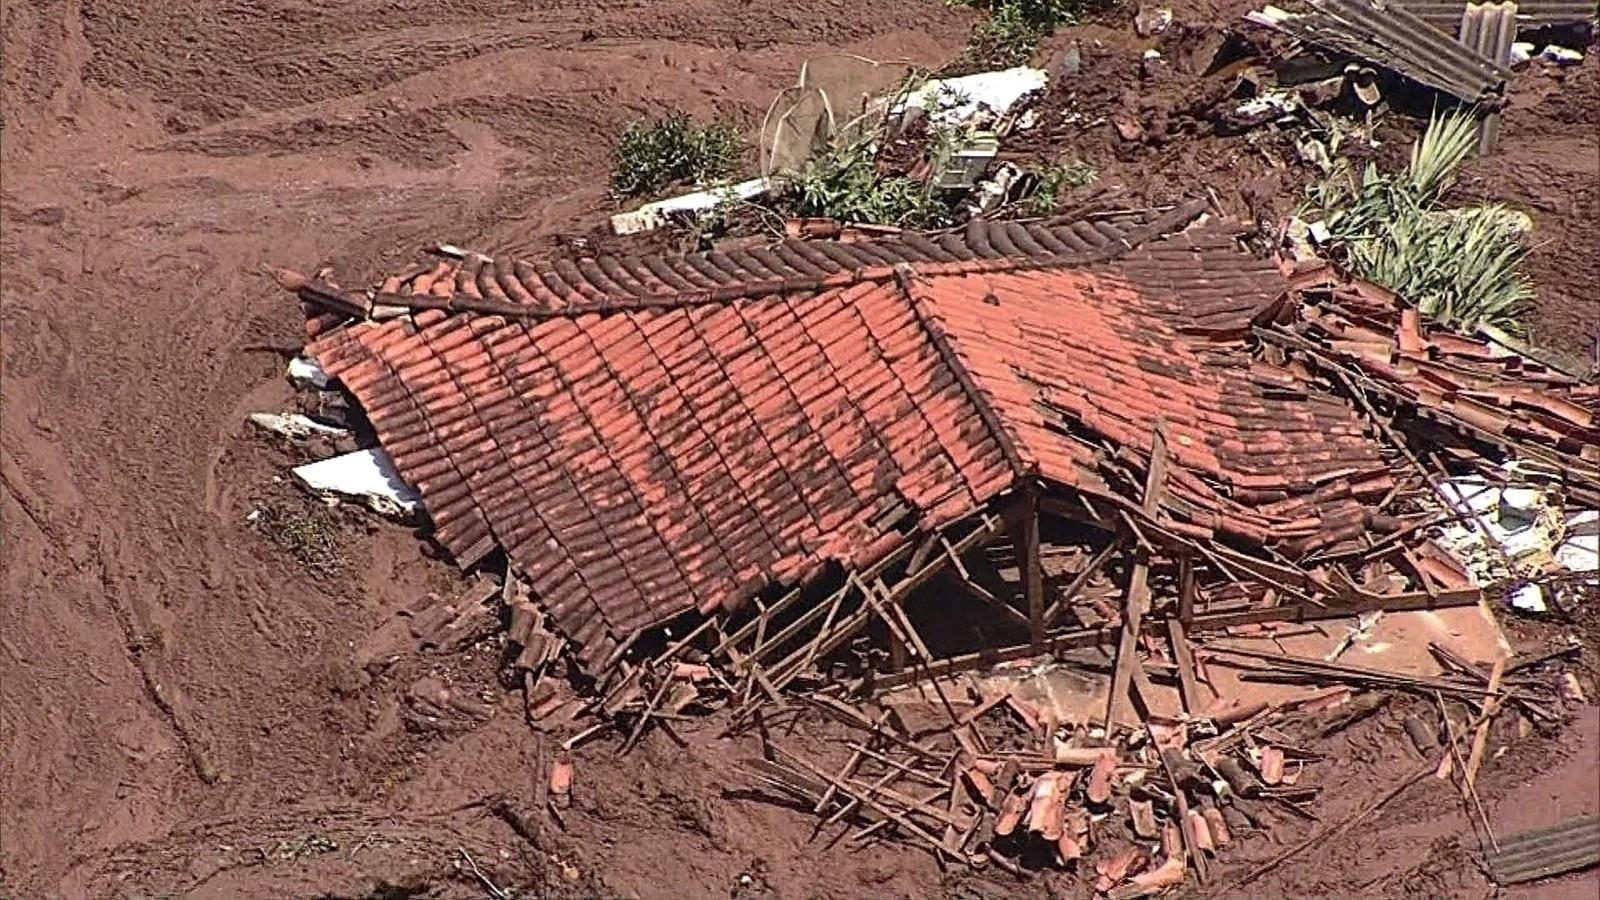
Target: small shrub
column 1043, row 15
column 1003, row 40
column 1013, row 29
column 655, row 154
column 845, row 184
column 1056, row 182
column 310, row 535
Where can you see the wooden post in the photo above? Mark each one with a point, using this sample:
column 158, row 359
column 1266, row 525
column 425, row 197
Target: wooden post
column 1025, row 538
column 1186, row 588
column 1184, row 657
column 1138, row 597
column 1128, row 641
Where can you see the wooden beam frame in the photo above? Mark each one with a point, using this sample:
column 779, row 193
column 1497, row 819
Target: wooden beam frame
column 1078, row 639
column 1025, row 540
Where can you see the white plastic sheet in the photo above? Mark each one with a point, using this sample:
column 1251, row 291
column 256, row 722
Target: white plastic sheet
column 366, row 475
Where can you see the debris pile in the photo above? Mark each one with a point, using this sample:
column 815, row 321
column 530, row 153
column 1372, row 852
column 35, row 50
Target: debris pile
column 969, row 507
column 1003, row 513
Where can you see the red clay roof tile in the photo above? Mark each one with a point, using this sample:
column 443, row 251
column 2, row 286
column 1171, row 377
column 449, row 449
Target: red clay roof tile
column 646, row 453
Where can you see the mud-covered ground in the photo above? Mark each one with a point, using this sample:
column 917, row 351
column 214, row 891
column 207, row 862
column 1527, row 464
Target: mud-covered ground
column 187, row 709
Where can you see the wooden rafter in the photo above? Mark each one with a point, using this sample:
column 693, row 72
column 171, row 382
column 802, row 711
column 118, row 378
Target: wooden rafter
column 1138, row 596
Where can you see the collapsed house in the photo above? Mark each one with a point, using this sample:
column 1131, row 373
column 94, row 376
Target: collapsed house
column 822, row 469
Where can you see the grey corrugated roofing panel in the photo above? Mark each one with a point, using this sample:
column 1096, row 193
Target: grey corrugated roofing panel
column 1571, row 845
column 1488, row 30
column 1398, row 40
column 1417, row 50
column 1446, row 16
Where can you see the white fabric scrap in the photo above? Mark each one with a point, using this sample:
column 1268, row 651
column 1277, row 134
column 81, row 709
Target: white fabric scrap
column 306, row 372
column 368, row 475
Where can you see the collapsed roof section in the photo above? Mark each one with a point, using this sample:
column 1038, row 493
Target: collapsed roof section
column 759, row 415
column 1396, row 38
column 652, row 436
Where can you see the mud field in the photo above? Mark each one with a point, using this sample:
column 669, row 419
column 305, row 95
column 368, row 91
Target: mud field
column 188, row 711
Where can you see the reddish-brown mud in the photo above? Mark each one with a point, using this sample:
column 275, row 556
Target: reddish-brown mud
column 185, row 709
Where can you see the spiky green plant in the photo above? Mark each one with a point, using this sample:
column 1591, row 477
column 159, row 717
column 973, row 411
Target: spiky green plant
column 1459, row 266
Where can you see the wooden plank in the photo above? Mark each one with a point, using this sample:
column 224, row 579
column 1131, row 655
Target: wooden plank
column 1078, row 639
column 1480, row 740
column 981, row 593
column 1186, row 588
column 1178, row 636
column 1138, row 597
column 1128, row 642
column 794, row 628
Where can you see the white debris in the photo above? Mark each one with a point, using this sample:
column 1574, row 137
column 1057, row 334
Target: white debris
column 1521, row 52
column 958, row 100
column 295, row 426
column 990, row 193
column 967, row 164
column 654, row 215
column 1579, row 550
column 1561, row 56
column 1515, row 529
column 367, row 475
column 1151, row 20
column 306, row 372
column 1529, row 598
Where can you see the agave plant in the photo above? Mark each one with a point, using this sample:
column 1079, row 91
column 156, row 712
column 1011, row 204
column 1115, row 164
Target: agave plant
column 1459, row 266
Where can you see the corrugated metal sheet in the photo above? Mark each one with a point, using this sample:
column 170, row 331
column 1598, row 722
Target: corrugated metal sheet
column 1488, row 30
column 636, row 463
column 1446, row 16
column 1397, row 39
column 1531, row 855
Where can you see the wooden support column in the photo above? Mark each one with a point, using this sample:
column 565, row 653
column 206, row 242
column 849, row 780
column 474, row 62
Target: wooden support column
column 1138, row 597
column 1183, row 655
column 1186, row 588
column 1025, row 539
column 1128, row 642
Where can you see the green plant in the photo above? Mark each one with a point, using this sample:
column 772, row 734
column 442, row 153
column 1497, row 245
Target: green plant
column 845, row 184
column 1011, row 32
column 654, row 154
column 1055, row 182
column 1044, row 15
column 1003, row 40
column 310, row 535
column 1459, row 266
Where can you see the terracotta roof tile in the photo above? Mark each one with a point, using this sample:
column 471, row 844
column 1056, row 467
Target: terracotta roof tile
column 641, row 448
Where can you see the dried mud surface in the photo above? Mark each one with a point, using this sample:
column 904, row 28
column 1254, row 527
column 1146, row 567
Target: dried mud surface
column 187, row 710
